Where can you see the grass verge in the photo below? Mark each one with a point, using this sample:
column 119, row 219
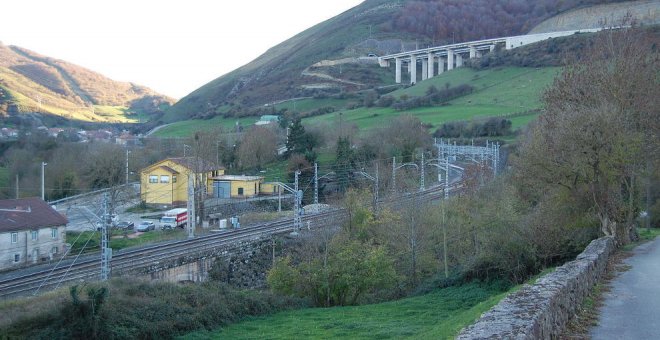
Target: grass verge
column 438, row 315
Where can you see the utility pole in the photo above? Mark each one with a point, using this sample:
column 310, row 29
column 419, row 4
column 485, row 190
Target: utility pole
column 394, row 175
column 376, row 189
column 127, row 152
column 16, row 186
column 105, row 250
column 191, row 207
column 444, row 237
column 316, row 183
column 297, row 209
column 43, row 177
column 447, row 177
column 421, row 180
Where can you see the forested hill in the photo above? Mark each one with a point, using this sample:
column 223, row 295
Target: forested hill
column 34, row 83
column 373, row 27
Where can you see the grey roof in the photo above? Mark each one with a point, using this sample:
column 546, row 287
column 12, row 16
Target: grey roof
column 28, row 213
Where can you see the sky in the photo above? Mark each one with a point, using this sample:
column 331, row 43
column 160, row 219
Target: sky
column 173, row 47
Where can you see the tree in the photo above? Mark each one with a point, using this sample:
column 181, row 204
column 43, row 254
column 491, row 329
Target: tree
column 344, row 164
column 301, row 142
column 599, row 128
column 258, row 147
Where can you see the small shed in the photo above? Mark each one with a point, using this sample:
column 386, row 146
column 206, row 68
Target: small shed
column 236, row 186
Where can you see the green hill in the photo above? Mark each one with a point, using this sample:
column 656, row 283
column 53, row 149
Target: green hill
column 43, row 86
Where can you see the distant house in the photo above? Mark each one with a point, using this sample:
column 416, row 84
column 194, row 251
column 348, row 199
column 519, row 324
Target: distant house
column 268, row 119
column 126, row 139
column 166, row 182
column 31, row 231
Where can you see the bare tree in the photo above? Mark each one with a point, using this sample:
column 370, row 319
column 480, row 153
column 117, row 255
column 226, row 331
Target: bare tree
column 258, row 147
column 600, row 127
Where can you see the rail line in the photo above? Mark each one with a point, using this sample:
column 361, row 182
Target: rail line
column 132, row 259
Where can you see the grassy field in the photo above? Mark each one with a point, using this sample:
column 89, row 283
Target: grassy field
column 117, row 239
column 498, row 92
column 187, row 128
column 437, row 315
column 309, row 104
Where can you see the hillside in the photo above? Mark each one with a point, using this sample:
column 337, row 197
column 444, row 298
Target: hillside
column 329, row 57
column 646, row 12
column 42, row 86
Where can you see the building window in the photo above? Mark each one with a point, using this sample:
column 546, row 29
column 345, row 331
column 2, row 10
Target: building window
column 34, row 235
column 173, row 179
column 164, row 179
column 53, row 251
column 53, row 233
column 14, row 237
column 153, row 179
column 17, row 257
column 240, row 191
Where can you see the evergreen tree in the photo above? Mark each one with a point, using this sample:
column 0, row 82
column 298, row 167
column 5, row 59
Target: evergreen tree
column 343, row 167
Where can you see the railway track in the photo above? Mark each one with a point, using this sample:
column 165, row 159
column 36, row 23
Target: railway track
column 131, row 259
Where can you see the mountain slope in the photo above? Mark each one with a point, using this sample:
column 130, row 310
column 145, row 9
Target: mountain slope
column 33, row 83
column 645, row 12
column 290, row 69
column 277, row 74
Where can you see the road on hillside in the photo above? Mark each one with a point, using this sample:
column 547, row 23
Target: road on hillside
column 632, row 306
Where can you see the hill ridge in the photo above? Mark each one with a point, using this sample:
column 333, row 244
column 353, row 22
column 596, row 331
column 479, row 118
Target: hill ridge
column 73, row 85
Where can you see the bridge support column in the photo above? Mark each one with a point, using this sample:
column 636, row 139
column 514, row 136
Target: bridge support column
column 441, row 65
column 397, row 72
column 425, row 68
column 492, row 47
column 450, row 60
column 459, row 60
column 431, row 59
column 413, row 69
column 473, row 52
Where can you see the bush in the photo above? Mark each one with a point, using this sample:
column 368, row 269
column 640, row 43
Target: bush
column 144, row 310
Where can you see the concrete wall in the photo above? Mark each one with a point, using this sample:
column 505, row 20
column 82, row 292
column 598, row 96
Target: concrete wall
column 541, row 310
column 31, row 251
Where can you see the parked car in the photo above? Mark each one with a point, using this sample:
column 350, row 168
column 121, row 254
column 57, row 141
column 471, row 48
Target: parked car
column 146, row 226
column 125, row 225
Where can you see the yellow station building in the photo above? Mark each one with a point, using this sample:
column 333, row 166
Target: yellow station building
column 166, row 182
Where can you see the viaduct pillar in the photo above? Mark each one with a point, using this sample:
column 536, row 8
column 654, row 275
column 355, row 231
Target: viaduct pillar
column 397, row 72
column 413, row 69
column 441, row 65
column 459, row 60
column 450, row 60
column 473, row 52
column 425, row 68
column 431, row 59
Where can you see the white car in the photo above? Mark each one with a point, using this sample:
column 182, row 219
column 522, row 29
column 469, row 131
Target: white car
column 146, row 226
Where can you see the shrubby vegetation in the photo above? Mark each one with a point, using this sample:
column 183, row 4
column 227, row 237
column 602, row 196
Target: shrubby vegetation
column 492, row 127
column 445, row 20
column 129, row 309
column 433, row 96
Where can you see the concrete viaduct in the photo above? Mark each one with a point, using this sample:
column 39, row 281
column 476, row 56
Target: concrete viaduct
column 448, row 57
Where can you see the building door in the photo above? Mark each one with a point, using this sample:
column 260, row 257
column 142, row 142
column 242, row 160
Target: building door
column 221, row 189
column 240, row 191
column 35, row 255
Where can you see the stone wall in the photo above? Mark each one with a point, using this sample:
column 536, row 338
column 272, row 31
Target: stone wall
column 541, row 310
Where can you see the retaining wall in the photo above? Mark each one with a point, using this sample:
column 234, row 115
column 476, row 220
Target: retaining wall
column 541, row 310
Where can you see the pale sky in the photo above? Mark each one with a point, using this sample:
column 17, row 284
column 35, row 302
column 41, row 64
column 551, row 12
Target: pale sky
column 173, row 47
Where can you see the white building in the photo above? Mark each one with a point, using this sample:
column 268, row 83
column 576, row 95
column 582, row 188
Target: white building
column 31, row 231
